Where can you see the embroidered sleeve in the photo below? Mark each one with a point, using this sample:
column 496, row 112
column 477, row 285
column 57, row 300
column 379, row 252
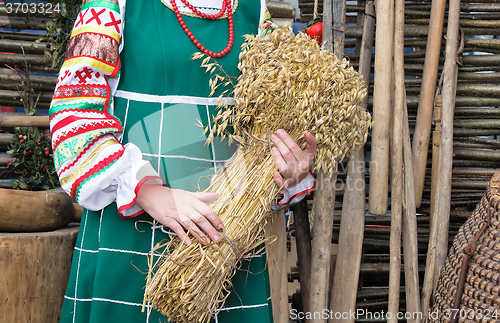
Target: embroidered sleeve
column 94, row 168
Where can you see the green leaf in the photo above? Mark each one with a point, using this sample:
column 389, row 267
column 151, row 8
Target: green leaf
column 45, row 187
column 22, row 185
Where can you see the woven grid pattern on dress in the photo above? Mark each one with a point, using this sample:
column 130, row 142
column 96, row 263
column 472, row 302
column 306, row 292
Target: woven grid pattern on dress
column 480, row 301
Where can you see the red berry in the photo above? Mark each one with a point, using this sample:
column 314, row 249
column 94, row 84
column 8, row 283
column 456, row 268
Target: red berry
column 43, row 169
column 21, row 137
column 38, row 141
column 46, row 153
column 8, row 163
column 315, row 31
column 44, row 135
column 27, row 188
column 30, row 151
column 21, row 140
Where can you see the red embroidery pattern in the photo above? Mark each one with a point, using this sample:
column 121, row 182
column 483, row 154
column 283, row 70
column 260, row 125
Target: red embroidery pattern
column 81, row 15
column 113, row 22
column 112, row 125
column 81, row 91
column 84, row 74
column 66, row 74
column 99, row 166
column 95, row 16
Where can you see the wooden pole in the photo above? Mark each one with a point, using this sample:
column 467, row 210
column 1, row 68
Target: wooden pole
column 23, row 121
column 379, row 163
column 427, row 90
column 345, row 281
column 397, row 165
column 410, row 242
column 450, row 72
column 277, row 264
column 324, row 197
column 431, row 250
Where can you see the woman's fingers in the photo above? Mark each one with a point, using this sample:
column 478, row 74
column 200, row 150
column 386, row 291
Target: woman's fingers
column 310, row 150
column 206, row 211
column 206, row 197
column 178, row 229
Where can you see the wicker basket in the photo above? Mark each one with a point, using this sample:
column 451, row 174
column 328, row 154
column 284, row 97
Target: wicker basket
column 480, row 288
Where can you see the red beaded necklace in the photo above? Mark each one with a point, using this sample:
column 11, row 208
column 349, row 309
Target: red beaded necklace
column 226, row 7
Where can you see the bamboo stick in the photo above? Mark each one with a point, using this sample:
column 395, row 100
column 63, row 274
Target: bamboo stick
column 345, row 282
column 450, row 72
column 303, row 241
column 324, row 197
column 377, row 203
column 424, row 115
column 396, row 165
column 410, row 243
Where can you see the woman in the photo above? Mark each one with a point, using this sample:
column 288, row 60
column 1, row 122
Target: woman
column 125, row 140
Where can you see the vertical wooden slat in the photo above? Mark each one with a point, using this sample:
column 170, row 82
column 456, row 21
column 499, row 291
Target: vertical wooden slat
column 345, row 283
column 323, row 210
column 426, row 98
column 428, row 283
column 379, row 162
column 410, row 244
column 450, row 72
column 397, row 164
column 277, row 265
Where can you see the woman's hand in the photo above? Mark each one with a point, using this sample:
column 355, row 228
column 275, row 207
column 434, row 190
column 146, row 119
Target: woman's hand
column 293, row 163
column 181, row 211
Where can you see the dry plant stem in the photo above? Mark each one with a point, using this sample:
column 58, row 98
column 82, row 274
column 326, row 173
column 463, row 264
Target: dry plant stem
column 346, row 276
column 410, row 243
column 429, row 78
column 397, row 164
column 450, row 72
column 249, row 188
column 431, row 250
column 378, row 190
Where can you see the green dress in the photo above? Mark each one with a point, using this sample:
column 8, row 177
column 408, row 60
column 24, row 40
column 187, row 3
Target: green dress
column 161, row 95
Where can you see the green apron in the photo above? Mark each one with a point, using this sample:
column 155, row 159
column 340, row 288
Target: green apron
column 161, row 95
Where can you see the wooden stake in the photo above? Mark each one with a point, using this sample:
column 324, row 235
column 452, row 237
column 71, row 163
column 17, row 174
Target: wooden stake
column 450, row 72
column 379, row 163
column 345, row 281
column 24, row 121
column 277, row 264
column 427, row 90
column 397, row 165
column 410, row 242
column 324, row 197
column 431, row 250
